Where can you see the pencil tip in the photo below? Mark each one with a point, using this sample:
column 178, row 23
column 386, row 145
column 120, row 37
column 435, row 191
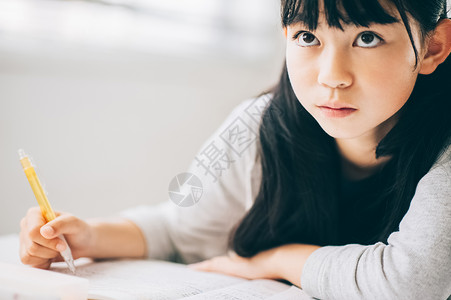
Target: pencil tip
column 71, row 265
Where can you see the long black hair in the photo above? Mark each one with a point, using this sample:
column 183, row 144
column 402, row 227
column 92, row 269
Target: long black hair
column 297, row 201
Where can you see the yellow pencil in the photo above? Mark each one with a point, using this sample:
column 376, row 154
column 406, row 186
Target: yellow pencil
column 46, row 209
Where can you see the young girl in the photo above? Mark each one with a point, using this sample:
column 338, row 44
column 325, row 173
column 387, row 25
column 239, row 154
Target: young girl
column 338, row 180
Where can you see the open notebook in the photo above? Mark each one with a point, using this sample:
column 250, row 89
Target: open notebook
column 135, row 279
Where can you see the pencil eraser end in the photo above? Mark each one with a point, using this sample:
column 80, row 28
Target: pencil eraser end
column 21, row 153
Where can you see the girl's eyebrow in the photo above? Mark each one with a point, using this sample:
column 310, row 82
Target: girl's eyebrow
column 303, row 20
column 301, row 23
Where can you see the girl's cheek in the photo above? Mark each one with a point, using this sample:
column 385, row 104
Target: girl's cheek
column 300, row 67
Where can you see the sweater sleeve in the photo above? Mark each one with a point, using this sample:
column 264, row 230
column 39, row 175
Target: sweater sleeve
column 414, row 264
column 224, row 166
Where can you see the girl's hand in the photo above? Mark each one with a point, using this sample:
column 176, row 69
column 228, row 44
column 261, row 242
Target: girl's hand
column 283, row 262
column 254, row 267
column 39, row 242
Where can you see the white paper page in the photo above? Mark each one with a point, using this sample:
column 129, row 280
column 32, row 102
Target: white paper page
column 22, row 281
column 249, row 290
column 147, row 279
column 293, row 293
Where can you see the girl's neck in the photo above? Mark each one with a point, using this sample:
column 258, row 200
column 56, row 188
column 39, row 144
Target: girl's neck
column 358, row 155
column 363, row 168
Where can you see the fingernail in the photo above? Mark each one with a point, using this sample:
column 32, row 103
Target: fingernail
column 47, row 230
column 60, row 247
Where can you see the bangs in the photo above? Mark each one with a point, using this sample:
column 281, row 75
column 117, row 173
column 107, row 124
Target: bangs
column 356, row 12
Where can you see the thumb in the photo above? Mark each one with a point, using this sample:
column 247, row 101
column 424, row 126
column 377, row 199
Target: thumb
column 63, row 224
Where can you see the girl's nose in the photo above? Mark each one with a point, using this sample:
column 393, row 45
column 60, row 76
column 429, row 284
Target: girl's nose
column 334, row 70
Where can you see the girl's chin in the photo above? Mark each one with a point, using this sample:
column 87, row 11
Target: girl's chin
column 342, row 133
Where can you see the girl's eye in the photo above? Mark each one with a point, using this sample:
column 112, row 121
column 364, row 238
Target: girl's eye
column 367, row 40
column 306, row 39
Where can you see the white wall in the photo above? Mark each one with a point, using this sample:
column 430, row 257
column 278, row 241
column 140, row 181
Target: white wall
column 107, row 125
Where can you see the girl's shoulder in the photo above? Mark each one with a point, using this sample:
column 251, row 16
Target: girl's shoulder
column 437, row 181
column 231, row 150
column 251, row 110
column 240, row 130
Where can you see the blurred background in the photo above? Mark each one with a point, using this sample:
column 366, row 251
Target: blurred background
column 113, row 98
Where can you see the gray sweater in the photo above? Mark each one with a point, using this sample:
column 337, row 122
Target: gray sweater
column 414, row 264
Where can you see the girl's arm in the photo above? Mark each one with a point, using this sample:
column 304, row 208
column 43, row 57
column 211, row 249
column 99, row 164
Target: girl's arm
column 116, row 238
column 415, row 264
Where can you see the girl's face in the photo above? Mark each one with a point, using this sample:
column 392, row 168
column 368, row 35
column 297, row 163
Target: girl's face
column 352, row 81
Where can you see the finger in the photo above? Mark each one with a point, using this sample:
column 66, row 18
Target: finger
column 200, row 266
column 216, row 264
column 228, row 266
column 33, row 219
column 38, row 256
column 36, row 211
column 64, row 224
column 30, row 232
column 34, row 236
column 33, row 260
column 29, row 249
column 37, row 250
column 45, row 265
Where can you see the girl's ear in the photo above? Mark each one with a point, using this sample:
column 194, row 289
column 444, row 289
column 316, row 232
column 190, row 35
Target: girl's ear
column 285, row 31
column 438, row 47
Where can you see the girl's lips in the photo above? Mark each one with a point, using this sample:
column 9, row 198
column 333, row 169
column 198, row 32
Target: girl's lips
column 336, row 112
